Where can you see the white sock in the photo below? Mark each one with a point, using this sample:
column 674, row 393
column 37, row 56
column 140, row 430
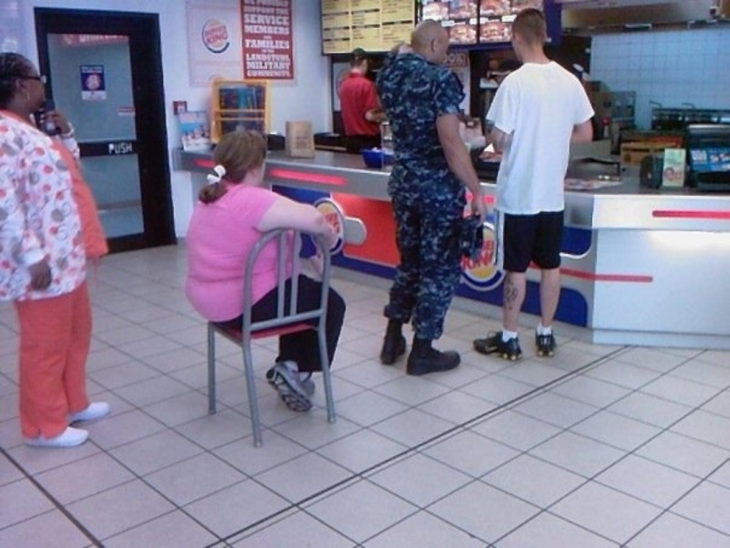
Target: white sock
column 542, row 330
column 507, row 335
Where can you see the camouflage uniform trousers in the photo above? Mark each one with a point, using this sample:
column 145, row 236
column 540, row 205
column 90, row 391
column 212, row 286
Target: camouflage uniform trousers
column 427, row 236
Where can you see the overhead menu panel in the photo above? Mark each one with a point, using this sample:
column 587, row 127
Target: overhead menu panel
column 374, row 25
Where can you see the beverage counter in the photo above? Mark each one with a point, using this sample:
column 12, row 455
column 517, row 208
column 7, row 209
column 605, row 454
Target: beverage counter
column 640, row 266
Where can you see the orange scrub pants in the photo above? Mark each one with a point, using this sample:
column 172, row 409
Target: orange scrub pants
column 55, row 337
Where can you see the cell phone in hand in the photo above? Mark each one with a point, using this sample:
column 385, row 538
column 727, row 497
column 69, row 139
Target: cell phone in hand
column 45, row 125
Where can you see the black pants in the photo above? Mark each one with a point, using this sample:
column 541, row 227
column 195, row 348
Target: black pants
column 355, row 143
column 302, row 347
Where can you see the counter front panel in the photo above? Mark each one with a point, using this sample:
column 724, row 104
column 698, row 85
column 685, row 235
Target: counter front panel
column 639, row 266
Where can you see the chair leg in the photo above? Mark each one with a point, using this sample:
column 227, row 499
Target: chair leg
column 251, row 386
column 211, row 370
column 324, row 360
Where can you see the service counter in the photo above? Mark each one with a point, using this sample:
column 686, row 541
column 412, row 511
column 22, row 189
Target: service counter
column 640, row 266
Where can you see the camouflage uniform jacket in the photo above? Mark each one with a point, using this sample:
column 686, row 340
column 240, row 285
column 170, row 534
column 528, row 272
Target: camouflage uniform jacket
column 414, row 93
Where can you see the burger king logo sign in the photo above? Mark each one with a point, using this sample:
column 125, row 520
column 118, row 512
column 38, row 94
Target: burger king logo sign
column 333, row 214
column 481, row 274
column 215, row 36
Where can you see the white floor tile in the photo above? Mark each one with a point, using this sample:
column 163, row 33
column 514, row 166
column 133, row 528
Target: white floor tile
column 368, row 407
column 591, row 391
column 412, row 391
column 195, row 478
column 650, row 409
column 49, row 530
column 550, row 531
column 648, row 480
column 707, row 504
column 412, row 427
column 484, row 511
column 155, row 452
column 361, row 450
column 680, row 390
column 169, row 531
column 22, row 501
column 606, row 512
column 303, row 477
column 671, row 531
column 83, row 478
column 406, row 478
column 297, row 526
column 190, row 478
column 119, row 509
column 706, row 427
column 233, row 509
column 516, row 430
column 578, row 454
column 615, row 430
column 533, row 480
column 425, row 531
column 361, row 511
column 471, row 453
column 686, row 454
column 457, row 407
column 557, row 410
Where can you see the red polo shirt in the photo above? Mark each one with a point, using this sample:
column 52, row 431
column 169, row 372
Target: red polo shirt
column 357, row 96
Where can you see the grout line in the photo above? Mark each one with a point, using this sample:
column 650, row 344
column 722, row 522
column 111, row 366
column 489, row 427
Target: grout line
column 60, row 507
column 411, row 450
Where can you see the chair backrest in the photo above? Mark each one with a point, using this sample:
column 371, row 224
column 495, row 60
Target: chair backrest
column 289, row 246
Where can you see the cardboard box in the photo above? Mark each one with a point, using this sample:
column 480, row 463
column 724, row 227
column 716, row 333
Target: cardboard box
column 633, row 153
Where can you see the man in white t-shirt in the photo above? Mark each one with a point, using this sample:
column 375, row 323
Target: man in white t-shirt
column 537, row 112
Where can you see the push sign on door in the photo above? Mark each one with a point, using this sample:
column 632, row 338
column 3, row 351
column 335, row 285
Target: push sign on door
column 121, row 148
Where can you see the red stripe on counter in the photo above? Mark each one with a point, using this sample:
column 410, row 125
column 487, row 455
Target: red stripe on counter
column 632, row 278
column 679, row 214
column 204, row 163
column 307, row 177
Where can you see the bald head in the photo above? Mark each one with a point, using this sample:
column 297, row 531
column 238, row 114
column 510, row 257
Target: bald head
column 430, row 40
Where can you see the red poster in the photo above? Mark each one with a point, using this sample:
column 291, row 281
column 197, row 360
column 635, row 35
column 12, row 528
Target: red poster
column 268, row 49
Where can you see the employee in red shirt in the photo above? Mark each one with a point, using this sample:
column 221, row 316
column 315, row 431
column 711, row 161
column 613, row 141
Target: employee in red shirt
column 361, row 111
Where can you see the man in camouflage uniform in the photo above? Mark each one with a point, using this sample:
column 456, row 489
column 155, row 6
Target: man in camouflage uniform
column 421, row 99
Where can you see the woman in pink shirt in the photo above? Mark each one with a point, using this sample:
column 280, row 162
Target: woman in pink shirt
column 231, row 215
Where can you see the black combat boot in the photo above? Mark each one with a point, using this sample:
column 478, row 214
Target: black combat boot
column 425, row 359
column 394, row 343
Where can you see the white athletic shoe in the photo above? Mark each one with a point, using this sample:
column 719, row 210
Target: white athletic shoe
column 71, row 437
column 95, row 410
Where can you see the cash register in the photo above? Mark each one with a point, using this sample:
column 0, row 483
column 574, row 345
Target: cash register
column 708, row 157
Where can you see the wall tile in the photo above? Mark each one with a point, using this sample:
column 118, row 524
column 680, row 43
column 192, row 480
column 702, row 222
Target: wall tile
column 670, row 67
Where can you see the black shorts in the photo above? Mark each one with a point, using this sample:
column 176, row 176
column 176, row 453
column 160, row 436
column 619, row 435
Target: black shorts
column 522, row 239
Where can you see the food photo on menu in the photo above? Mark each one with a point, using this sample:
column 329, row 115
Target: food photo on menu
column 495, row 31
column 494, row 7
column 463, row 9
column 434, row 10
column 463, row 33
column 519, row 5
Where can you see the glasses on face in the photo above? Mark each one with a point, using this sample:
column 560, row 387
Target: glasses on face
column 41, row 78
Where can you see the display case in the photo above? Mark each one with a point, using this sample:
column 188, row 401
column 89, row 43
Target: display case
column 239, row 105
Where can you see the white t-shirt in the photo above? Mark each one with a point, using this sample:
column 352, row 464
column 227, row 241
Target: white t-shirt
column 537, row 105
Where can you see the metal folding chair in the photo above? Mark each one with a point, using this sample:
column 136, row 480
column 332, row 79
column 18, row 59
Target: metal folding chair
column 287, row 320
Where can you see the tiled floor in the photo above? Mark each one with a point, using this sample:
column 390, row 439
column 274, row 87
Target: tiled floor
column 599, row 446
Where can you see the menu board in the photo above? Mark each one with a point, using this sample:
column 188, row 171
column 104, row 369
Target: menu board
column 374, row 25
column 476, row 21
column 459, row 17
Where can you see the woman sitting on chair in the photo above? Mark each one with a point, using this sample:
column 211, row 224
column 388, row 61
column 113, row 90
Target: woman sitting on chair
column 231, row 215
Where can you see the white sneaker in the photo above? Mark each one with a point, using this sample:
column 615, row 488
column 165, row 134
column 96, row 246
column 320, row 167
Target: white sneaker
column 95, row 410
column 71, row 437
